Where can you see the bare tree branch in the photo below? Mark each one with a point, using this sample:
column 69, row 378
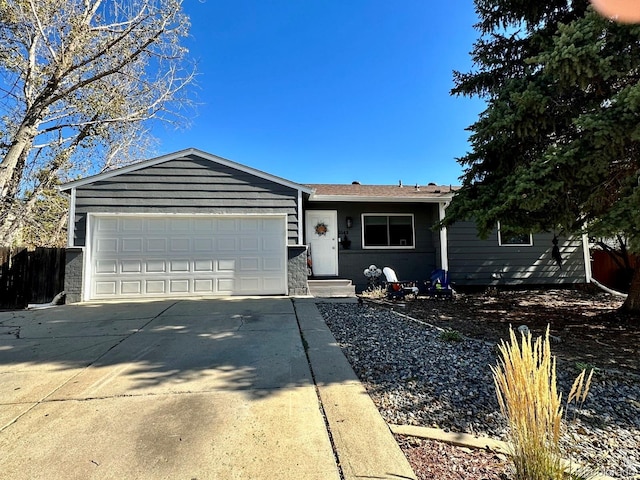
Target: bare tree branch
column 79, row 75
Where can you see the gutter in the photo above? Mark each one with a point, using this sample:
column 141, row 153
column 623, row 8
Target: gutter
column 363, row 198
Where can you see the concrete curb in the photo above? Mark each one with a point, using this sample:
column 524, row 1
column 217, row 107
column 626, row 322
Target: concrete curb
column 363, row 442
column 458, row 439
column 470, row 441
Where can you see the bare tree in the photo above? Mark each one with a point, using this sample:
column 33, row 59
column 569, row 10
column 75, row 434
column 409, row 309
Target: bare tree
column 78, row 80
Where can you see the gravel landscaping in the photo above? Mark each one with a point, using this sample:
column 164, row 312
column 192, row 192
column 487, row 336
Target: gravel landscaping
column 418, row 376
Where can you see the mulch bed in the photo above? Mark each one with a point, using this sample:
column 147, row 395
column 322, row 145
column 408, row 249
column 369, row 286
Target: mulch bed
column 587, row 323
column 590, row 330
column 436, row 460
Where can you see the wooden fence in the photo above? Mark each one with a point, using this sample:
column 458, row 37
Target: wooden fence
column 608, row 272
column 34, row 276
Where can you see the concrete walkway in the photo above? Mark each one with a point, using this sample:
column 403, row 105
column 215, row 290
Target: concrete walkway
column 185, row 389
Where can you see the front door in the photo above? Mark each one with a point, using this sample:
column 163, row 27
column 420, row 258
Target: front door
column 322, row 238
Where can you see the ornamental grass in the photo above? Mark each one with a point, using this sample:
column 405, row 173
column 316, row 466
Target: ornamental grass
column 526, row 387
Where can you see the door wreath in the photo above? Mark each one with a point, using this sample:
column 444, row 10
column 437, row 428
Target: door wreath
column 321, row 229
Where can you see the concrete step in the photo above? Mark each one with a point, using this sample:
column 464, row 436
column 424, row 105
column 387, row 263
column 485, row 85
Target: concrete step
column 331, row 288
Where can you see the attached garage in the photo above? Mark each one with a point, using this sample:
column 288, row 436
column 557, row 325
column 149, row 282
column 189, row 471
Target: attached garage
column 154, row 256
column 185, row 224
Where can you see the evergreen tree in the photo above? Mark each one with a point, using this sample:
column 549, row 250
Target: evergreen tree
column 558, row 146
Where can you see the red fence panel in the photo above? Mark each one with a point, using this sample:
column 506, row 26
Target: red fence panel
column 605, row 270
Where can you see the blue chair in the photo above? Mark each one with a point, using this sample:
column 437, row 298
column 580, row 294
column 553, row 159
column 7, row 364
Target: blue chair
column 439, row 285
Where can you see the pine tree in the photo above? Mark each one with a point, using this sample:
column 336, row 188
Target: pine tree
column 557, row 148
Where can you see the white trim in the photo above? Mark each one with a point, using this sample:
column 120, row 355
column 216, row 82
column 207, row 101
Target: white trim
column 285, row 243
column 588, row 274
column 501, row 244
column 86, row 275
column 444, row 242
column 183, row 154
column 300, row 219
column 389, row 247
column 71, row 221
column 382, row 199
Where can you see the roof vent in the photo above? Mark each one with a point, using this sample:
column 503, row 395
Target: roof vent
column 431, row 184
column 417, row 187
column 400, row 182
column 355, row 182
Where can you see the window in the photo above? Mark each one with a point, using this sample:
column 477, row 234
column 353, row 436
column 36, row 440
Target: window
column 510, row 237
column 387, row 231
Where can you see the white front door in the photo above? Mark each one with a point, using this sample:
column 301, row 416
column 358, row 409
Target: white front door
column 322, row 238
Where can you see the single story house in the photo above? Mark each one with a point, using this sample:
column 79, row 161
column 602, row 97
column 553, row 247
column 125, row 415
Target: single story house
column 195, row 224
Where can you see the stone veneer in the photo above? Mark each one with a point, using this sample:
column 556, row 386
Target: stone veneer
column 73, row 271
column 297, row 268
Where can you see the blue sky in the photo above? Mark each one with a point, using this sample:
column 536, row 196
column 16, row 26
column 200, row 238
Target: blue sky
column 331, row 91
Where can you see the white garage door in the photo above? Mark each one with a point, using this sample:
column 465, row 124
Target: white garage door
column 155, row 256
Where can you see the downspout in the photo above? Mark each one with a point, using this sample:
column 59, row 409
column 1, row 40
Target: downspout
column 444, row 246
column 587, row 258
column 607, row 289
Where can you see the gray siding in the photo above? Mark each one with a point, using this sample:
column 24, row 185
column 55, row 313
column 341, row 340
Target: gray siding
column 476, row 261
column 186, row 186
column 409, row 264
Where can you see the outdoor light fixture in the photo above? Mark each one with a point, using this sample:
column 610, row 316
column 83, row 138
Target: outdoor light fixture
column 349, row 222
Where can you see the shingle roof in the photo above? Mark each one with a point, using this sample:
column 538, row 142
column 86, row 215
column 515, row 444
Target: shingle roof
column 382, row 192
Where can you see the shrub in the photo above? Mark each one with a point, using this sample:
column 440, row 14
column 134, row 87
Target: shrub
column 451, row 336
column 582, row 366
column 525, row 380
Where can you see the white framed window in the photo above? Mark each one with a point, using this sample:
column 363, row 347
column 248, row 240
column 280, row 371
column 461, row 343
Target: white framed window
column 508, row 237
column 388, row 230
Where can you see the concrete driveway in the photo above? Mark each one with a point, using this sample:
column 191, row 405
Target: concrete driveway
column 188, row 389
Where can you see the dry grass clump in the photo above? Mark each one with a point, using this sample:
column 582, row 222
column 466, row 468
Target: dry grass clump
column 374, row 292
column 525, row 380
